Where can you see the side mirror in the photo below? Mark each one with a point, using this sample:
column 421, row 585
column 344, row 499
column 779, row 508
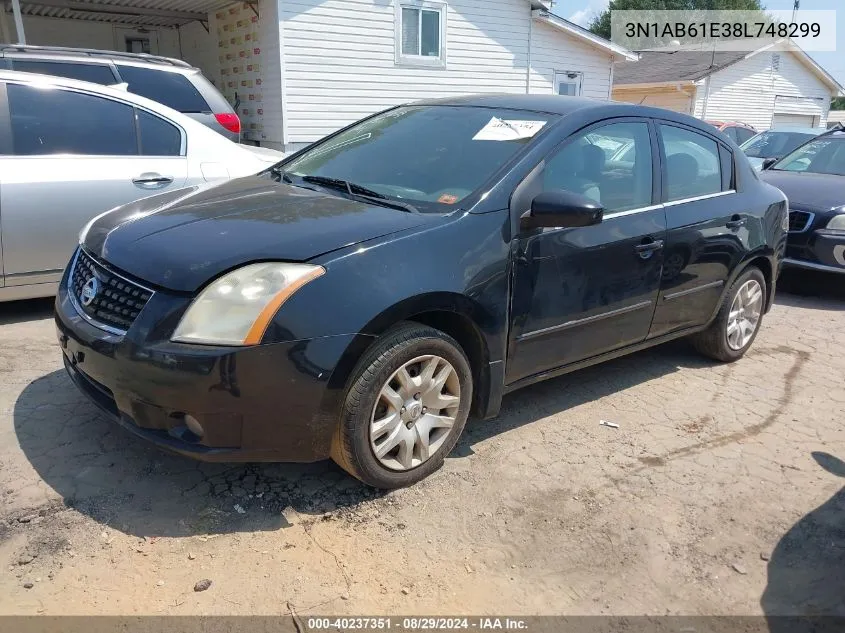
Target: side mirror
column 769, row 162
column 561, row 208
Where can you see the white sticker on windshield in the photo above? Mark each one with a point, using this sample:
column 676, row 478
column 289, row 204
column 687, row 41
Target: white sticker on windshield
column 508, row 130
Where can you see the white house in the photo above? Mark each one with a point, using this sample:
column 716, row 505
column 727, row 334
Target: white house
column 301, row 69
column 763, row 88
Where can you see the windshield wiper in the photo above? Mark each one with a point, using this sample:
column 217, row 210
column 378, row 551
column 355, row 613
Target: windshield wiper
column 281, row 174
column 359, row 190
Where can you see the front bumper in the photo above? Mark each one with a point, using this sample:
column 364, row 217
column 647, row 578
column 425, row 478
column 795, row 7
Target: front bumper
column 264, row 403
column 819, row 249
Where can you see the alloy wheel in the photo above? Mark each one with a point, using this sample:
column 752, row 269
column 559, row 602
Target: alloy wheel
column 744, row 316
column 415, row 411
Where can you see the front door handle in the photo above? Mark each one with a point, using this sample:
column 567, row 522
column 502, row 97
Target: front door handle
column 648, row 247
column 151, row 180
column 735, row 222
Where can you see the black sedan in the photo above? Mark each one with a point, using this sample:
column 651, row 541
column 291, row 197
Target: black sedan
column 360, row 299
column 813, row 178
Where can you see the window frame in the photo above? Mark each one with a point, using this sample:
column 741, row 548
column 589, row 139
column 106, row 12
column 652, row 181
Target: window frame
column 720, row 147
column 12, row 59
column 7, row 137
column 532, row 184
column 402, row 59
column 564, row 74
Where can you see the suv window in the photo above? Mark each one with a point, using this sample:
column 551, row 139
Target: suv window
column 611, row 164
column 743, row 134
column 692, row 165
column 172, row 89
column 158, row 137
column 55, row 121
column 95, row 73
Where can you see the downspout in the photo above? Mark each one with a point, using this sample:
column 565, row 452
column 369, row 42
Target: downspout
column 16, row 9
column 4, row 27
column 528, row 69
column 706, row 98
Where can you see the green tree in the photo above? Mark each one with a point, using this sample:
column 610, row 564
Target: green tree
column 837, row 103
column 601, row 23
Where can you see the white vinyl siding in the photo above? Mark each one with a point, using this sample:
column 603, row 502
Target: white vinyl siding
column 340, row 59
column 752, row 91
column 553, row 51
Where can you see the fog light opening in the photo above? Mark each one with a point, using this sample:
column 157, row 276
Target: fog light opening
column 194, row 426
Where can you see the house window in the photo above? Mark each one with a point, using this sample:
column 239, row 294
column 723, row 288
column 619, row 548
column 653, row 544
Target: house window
column 568, row 83
column 420, row 33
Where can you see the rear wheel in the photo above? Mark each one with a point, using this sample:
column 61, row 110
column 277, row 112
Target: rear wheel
column 405, row 409
column 738, row 322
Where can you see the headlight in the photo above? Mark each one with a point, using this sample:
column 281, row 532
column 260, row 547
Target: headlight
column 837, row 223
column 237, row 308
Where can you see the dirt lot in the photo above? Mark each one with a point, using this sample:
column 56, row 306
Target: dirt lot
column 708, row 499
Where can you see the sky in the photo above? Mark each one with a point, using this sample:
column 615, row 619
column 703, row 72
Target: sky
column 582, row 11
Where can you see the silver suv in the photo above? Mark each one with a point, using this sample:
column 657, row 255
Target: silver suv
column 171, row 82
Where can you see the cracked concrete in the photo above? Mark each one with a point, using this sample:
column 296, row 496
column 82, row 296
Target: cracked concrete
column 541, row 510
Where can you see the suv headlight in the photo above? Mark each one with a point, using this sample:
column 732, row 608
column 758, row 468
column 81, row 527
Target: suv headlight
column 837, row 223
column 237, row 308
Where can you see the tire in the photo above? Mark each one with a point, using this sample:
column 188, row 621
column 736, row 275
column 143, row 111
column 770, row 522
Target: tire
column 411, row 346
column 714, row 341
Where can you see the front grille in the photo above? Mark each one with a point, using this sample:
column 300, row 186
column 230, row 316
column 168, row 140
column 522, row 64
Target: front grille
column 799, row 221
column 111, row 302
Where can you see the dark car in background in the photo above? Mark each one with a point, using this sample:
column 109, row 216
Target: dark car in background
column 362, row 297
column 813, row 178
column 168, row 81
column 774, row 144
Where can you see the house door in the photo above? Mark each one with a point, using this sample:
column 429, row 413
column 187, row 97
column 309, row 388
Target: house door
column 568, row 83
column 139, row 40
column 794, row 120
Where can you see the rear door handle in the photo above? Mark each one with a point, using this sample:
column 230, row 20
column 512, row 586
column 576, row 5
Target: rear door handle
column 150, row 180
column 646, row 249
column 735, row 222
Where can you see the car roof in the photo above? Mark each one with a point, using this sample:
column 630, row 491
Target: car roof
column 108, row 91
column 564, row 106
column 550, row 104
column 90, row 55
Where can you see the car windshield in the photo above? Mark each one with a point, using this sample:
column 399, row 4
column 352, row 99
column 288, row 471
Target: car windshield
column 433, row 157
column 773, row 143
column 825, row 155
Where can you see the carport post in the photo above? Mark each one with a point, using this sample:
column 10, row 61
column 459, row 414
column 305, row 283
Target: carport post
column 16, row 9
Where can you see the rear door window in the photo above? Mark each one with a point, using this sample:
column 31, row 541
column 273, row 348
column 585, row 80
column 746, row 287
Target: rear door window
column 693, row 167
column 171, row 89
column 54, row 121
column 95, row 73
column 158, row 137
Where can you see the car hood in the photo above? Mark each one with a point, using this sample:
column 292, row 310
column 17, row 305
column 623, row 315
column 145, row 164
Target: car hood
column 812, row 192
column 182, row 239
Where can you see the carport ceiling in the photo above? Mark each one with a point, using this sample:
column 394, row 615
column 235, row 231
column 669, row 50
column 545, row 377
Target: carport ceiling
column 133, row 12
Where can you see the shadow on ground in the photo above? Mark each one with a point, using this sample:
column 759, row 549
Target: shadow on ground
column 811, row 289
column 806, row 572
column 117, row 479
column 23, row 311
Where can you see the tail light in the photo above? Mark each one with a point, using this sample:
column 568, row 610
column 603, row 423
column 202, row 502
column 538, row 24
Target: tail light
column 230, row 121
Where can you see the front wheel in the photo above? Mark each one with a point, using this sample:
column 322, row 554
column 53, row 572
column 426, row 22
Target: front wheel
column 405, row 409
column 738, row 322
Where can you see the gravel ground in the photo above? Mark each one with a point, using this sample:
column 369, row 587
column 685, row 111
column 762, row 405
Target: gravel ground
column 721, row 492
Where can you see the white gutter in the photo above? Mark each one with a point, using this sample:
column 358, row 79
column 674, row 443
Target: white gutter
column 583, row 34
column 16, row 9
